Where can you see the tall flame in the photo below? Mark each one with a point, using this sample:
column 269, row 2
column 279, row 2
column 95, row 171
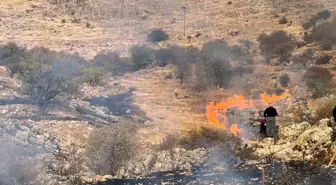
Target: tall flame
column 216, row 113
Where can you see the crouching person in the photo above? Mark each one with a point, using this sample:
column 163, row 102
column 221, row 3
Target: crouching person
column 270, row 113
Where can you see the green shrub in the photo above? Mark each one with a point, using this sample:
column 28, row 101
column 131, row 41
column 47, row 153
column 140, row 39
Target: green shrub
column 317, row 79
column 283, row 20
column 284, row 80
column 12, row 57
column 157, row 36
column 93, row 75
column 325, row 35
column 325, row 14
column 277, row 44
column 142, row 57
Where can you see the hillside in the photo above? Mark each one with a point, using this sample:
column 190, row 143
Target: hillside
column 142, row 124
column 38, row 22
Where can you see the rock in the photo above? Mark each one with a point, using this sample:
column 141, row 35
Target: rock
column 40, row 139
column 5, row 111
column 318, row 134
column 292, row 131
column 128, row 111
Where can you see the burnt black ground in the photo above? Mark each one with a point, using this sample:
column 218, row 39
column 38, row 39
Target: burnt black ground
column 274, row 174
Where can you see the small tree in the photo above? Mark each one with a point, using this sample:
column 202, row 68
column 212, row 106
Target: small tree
column 93, row 75
column 111, row 147
column 182, row 62
column 47, row 84
column 157, row 36
column 325, row 35
column 278, row 44
column 11, row 57
column 142, row 57
column 163, row 56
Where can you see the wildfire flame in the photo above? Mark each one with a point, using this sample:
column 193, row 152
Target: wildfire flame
column 216, row 113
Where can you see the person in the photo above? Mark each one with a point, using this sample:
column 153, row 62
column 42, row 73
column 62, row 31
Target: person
column 334, row 114
column 270, row 113
column 263, row 127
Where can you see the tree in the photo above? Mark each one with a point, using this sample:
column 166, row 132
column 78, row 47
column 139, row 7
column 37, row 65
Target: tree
column 11, row 57
column 277, row 44
column 325, row 14
column 325, row 35
column 46, row 84
column 181, row 60
column 142, row 57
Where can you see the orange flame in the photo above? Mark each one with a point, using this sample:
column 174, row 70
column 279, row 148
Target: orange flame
column 216, row 113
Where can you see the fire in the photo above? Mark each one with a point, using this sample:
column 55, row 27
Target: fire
column 216, row 113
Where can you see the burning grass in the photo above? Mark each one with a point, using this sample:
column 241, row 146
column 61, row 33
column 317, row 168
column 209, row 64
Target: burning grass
column 216, row 112
column 208, row 136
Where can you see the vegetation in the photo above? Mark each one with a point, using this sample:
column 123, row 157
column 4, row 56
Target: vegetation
column 11, row 57
column 317, row 79
column 284, row 80
column 283, row 20
column 325, row 59
column 157, row 36
column 93, row 75
column 278, row 44
column 182, row 62
column 142, row 57
column 111, row 147
column 324, row 107
column 325, row 35
column 325, row 14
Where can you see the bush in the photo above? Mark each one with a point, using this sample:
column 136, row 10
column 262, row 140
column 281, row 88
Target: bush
column 324, row 107
column 107, row 60
column 213, row 73
column 305, row 58
column 163, row 57
column 208, row 136
column 318, row 72
column 157, row 36
column 325, row 35
column 325, row 14
column 45, row 84
column 317, row 79
column 307, row 25
column 111, row 147
column 112, row 62
column 11, row 57
column 284, row 80
column 93, row 75
column 217, row 49
column 142, row 57
column 325, row 59
column 283, row 20
column 278, row 44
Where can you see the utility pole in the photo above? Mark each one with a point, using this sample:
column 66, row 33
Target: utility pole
column 184, row 8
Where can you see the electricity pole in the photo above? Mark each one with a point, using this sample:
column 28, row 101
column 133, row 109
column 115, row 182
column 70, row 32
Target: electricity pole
column 184, row 8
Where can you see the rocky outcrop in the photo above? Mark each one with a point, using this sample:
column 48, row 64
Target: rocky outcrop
column 297, row 142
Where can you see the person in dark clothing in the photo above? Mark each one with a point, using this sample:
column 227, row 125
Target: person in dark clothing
column 270, row 113
column 334, row 114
